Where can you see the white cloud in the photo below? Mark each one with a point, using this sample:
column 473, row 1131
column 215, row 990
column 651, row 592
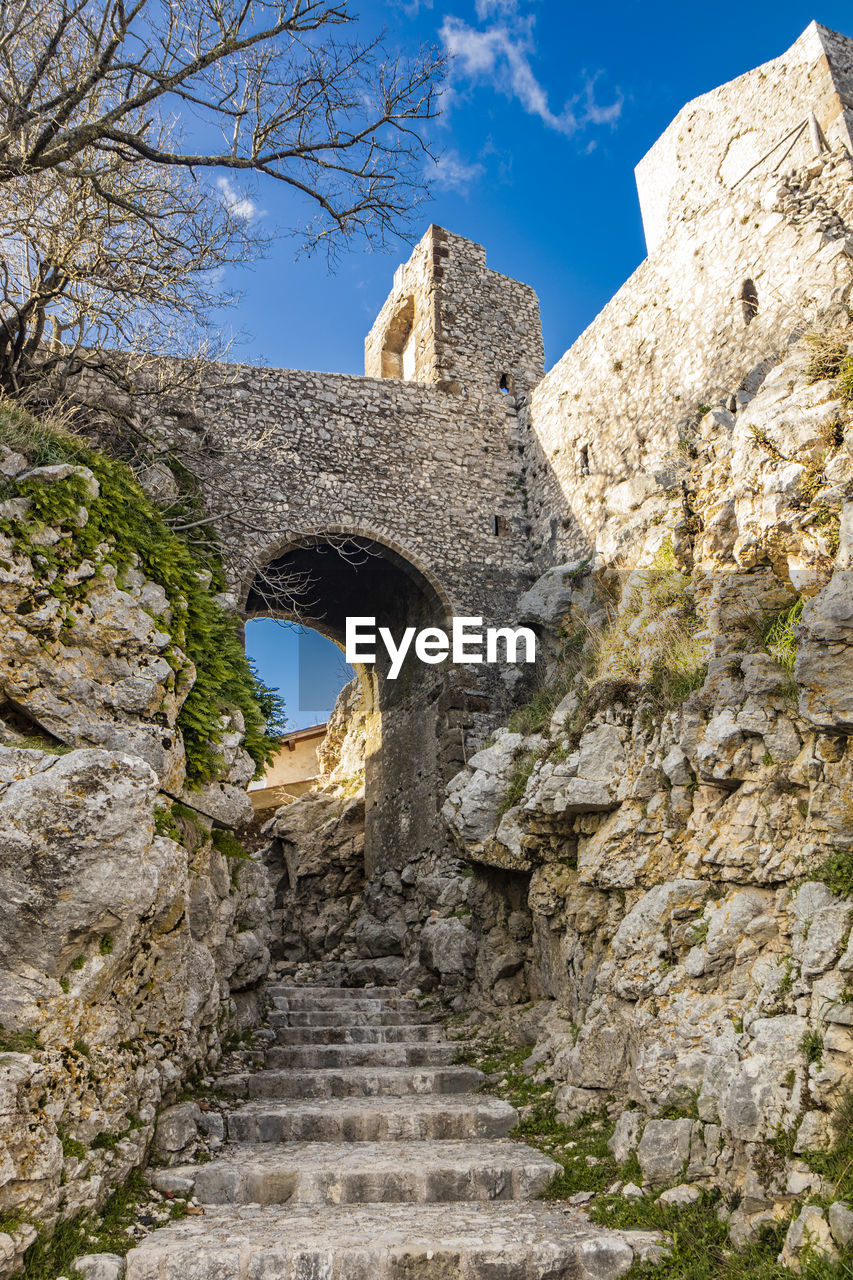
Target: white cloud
column 452, row 173
column 500, row 8
column 236, row 202
column 500, row 56
column 411, row 8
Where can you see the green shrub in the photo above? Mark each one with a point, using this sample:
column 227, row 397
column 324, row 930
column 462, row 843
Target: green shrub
column 128, row 522
column 670, row 663
column 165, row 825
column 836, row 1164
column 70, row 1146
column 535, row 715
column 522, row 769
column 51, row 1255
column 811, row 1047
column 18, row 1041
column 836, row 872
column 780, row 639
column 828, row 358
column 227, row 843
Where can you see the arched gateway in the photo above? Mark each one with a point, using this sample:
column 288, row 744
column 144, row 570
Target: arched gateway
column 399, row 495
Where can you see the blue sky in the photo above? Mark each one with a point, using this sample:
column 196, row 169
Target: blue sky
column 548, row 107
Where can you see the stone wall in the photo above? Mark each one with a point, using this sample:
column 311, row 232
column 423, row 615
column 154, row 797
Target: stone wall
column 424, row 467
column 606, row 420
column 758, row 122
column 367, row 918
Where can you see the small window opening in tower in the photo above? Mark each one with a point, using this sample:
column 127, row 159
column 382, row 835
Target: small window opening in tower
column 398, row 352
column 505, row 384
column 749, row 301
column 584, row 461
column 500, row 526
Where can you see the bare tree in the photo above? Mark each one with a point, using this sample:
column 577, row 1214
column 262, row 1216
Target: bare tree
column 270, row 87
column 83, row 278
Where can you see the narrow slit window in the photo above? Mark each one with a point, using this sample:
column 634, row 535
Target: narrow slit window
column 583, row 461
column 749, row 301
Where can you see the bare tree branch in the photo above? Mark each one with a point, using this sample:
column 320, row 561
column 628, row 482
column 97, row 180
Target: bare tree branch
column 274, row 81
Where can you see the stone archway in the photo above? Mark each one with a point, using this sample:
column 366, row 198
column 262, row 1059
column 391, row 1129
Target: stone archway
column 415, row 741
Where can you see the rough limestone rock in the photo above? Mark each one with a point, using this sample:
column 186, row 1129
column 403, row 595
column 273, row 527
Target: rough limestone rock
column 670, row 852
column 447, row 947
column 99, row 1266
column 664, row 1149
column 551, row 596
column 809, row 1232
column 316, row 860
column 126, row 955
column 841, row 1223
column 475, row 795
column 103, row 680
column 176, row 1131
column 824, row 669
column 62, row 896
column 626, row 1135
column 680, row 1195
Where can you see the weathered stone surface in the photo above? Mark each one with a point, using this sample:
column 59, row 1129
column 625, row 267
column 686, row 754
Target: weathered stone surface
column 103, row 681
column 664, row 1149
column 626, row 1135
column 824, row 669
column 841, row 1223
column 683, row 1194
column 474, row 796
column 808, row 1231
column 551, row 596
column 380, row 1238
column 106, row 869
column 176, row 1130
column 447, row 946
column 333, row 1173
column 560, row 795
column 99, row 1266
column 316, row 857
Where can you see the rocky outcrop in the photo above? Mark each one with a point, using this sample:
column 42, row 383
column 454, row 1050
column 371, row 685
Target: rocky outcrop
column 316, row 862
column 134, row 929
column 367, row 924
column 667, row 858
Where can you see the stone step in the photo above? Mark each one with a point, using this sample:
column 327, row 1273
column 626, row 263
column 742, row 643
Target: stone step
column 339, row 1018
column 458, row 1116
column 302, row 1004
column 370, row 1172
column 341, row 993
column 406, row 1033
column 360, row 1082
column 424, row 1054
column 500, row 1241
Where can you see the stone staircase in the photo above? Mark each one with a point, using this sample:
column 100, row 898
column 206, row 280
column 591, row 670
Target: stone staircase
column 363, row 1153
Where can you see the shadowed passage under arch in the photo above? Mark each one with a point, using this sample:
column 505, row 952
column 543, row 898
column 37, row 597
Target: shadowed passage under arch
column 320, row 581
